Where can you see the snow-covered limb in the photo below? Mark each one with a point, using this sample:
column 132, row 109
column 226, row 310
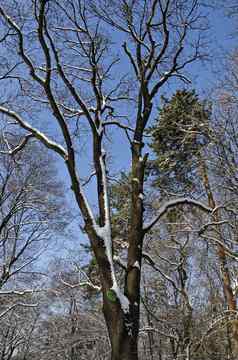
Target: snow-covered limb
column 213, row 223
column 35, row 132
column 172, row 203
column 85, row 202
column 81, row 284
column 14, row 306
column 20, row 292
column 104, row 232
column 121, row 297
column 105, row 193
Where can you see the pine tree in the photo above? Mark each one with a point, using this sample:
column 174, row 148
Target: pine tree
column 178, row 136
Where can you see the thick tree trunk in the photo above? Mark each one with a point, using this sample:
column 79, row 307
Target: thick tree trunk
column 123, row 327
column 122, row 322
column 124, row 348
column 122, row 330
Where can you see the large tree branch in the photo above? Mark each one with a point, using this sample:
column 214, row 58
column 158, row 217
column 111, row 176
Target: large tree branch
column 35, row 132
column 173, row 203
column 22, row 53
column 69, row 84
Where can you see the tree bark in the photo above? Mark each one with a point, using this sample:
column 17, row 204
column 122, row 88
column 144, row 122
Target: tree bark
column 122, row 330
column 123, row 327
column 124, row 348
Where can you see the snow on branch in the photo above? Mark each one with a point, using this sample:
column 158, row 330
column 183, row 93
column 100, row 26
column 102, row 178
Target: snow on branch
column 213, row 223
column 173, row 203
column 104, row 232
column 81, row 284
column 16, row 305
column 84, row 283
column 20, row 292
column 35, row 132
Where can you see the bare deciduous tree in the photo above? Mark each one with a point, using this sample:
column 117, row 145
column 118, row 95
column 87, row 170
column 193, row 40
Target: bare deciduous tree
column 62, row 68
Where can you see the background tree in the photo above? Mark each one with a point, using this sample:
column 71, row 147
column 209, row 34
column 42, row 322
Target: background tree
column 187, row 159
column 32, row 211
column 28, row 204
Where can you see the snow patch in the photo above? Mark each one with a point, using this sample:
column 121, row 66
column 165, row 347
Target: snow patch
column 136, row 265
column 104, row 232
column 234, row 286
column 129, row 328
column 90, row 213
column 121, row 297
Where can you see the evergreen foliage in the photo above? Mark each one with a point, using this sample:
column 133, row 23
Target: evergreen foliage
column 179, row 133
